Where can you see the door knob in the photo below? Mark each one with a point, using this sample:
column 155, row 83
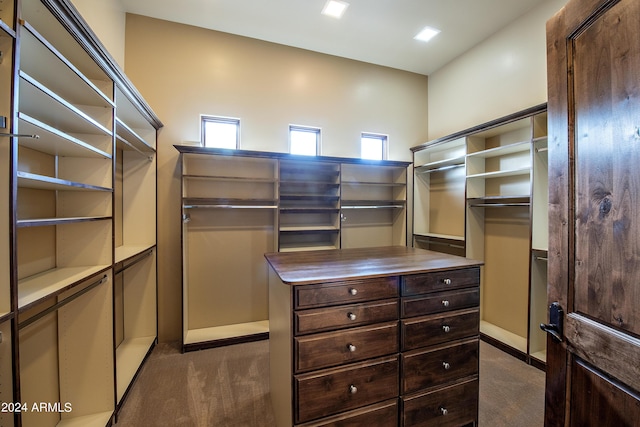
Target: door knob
column 555, row 325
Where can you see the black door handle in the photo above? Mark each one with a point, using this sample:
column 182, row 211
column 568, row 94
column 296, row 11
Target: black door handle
column 554, row 327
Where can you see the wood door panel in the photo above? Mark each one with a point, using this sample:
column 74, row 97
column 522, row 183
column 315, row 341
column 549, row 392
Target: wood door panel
column 606, row 60
column 593, row 393
column 593, row 63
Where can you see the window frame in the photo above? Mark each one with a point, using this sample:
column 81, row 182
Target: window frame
column 205, row 118
column 310, row 129
column 384, row 138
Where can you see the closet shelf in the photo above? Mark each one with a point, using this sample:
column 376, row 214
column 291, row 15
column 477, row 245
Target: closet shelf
column 129, row 357
column 308, row 209
column 39, row 101
column 195, row 202
column 239, row 179
column 440, row 236
column 126, row 252
column 54, row 141
column 373, row 204
column 309, row 228
column 41, row 182
column 441, row 165
column 374, row 184
column 36, row 288
column 46, row 64
column 130, row 138
column 502, row 173
column 517, row 147
column 499, row 201
column 44, row 222
column 309, row 197
column 308, row 183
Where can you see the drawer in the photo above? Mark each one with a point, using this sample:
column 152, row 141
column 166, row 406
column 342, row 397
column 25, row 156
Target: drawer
column 379, row 415
column 440, row 280
column 335, row 348
column 440, row 302
column 455, row 405
column 326, row 294
column 344, row 316
column 436, row 329
column 331, row 391
column 444, row 364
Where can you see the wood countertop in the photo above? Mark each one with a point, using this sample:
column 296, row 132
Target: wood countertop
column 307, row 267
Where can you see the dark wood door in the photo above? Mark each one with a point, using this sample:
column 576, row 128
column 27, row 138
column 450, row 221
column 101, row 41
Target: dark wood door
column 593, row 374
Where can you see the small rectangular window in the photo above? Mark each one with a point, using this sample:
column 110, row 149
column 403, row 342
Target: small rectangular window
column 304, row 140
column 220, row 132
column 373, row 146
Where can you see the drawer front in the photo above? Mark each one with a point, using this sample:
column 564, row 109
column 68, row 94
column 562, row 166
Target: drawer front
column 344, row 316
column 423, row 369
column 379, row 415
column 440, row 280
column 440, row 302
column 328, row 392
column 309, row 296
column 452, row 406
column 430, row 330
column 335, row 348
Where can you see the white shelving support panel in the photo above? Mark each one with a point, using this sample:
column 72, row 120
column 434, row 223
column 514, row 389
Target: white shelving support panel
column 66, row 356
column 439, row 196
column 135, row 313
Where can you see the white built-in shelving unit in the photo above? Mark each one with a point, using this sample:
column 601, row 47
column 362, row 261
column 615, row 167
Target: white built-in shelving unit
column 238, row 205
column 482, row 193
column 78, row 302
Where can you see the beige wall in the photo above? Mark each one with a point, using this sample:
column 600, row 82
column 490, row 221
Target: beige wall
column 107, row 20
column 184, row 71
column 501, row 75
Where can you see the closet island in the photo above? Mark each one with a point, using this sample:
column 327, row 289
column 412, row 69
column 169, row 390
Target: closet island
column 379, row 336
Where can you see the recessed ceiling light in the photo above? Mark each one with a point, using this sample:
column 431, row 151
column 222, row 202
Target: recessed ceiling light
column 335, row 8
column 427, row 34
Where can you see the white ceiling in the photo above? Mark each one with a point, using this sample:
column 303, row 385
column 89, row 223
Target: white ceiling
column 375, row 31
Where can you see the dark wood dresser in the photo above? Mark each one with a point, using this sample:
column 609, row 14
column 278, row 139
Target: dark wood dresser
column 372, row 337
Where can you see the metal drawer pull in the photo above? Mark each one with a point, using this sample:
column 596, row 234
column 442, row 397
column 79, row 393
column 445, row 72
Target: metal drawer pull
column 446, row 366
column 445, row 303
column 353, row 389
column 446, row 328
column 353, row 291
column 443, row 411
column 351, row 316
column 351, row 347
column 446, row 281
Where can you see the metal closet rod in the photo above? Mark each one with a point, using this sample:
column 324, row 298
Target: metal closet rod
column 431, row 242
column 59, row 304
column 19, row 135
column 442, row 168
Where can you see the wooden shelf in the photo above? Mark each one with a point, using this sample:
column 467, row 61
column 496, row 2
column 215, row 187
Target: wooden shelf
column 38, row 101
column 501, row 173
column 125, row 252
column 51, row 282
column 509, row 338
column 131, row 140
column 227, row 332
column 129, row 357
column 441, row 165
column 39, row 182
column 55, row 142
column 517, row 147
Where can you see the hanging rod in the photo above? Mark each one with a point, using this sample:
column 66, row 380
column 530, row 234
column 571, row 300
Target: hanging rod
column 137, row 259
column 62, row 303
column 133, row 147
column 540, row 150
column 230, row 206
column 442, row 168
column 540, row 258
column 19, row 135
